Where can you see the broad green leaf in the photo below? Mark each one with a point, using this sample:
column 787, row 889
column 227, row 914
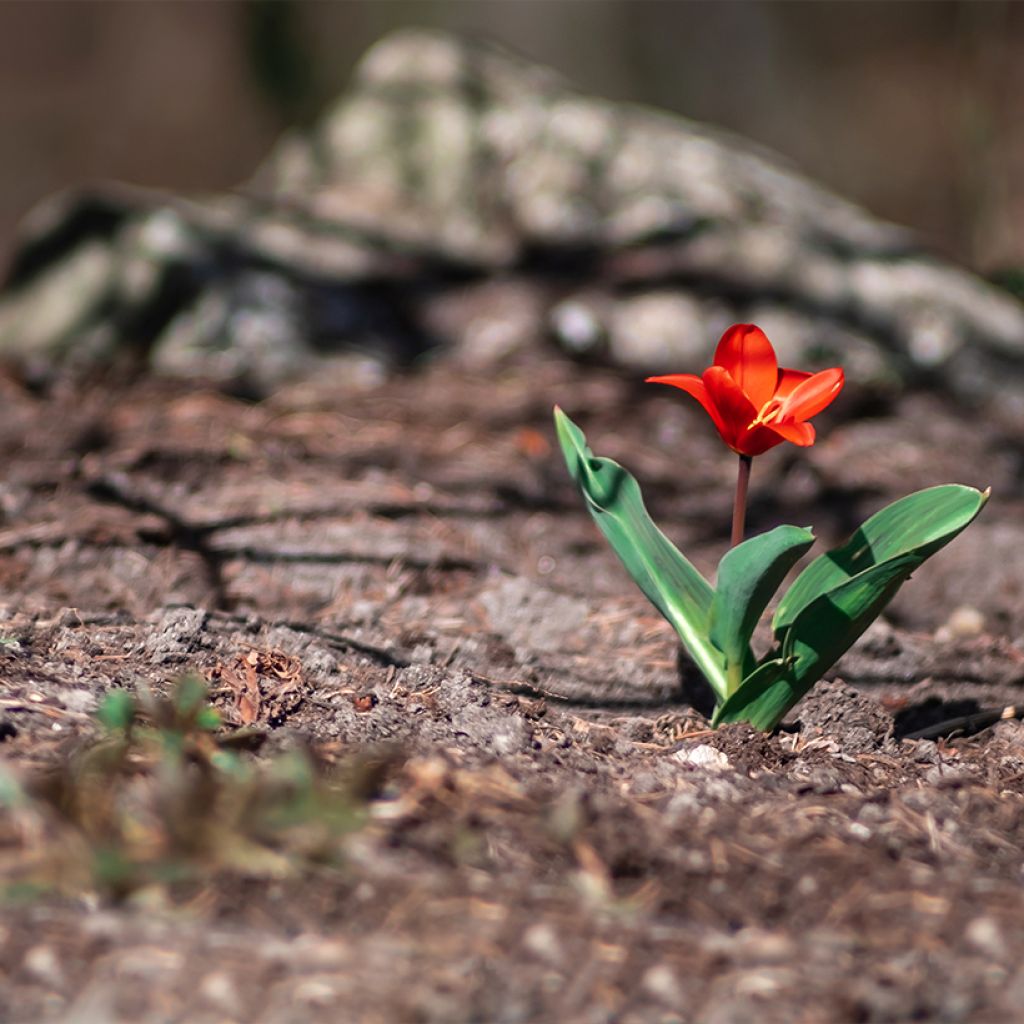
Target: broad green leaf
column 765, row 688
column 841, row 593
column 666, row 577
column 826, row 629
column 823, row 632
column 748, row 576
column 918, row 524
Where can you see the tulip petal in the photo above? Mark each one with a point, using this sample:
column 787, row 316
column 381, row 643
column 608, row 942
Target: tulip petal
column 801, row 434
column 747, row 354
column 788, row 380
column 737, row 413
column 693, row 385
column 734, row 406
column 758, row 440
column 810, row 396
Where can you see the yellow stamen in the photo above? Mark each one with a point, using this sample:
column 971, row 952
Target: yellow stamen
column 770, row 411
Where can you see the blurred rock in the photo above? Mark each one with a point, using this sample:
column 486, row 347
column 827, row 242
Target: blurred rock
column 450, row 166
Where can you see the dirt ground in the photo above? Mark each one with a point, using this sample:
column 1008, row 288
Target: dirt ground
column 400, row 578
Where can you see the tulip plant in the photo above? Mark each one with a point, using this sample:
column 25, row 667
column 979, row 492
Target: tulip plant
column 756, row 405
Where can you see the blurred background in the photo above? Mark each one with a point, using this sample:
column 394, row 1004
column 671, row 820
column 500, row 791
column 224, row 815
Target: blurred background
column 913, row 109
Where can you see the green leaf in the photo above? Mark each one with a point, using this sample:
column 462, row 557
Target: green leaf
column 748, row 576
column 117, row 710
column 841, row 593
column 918, row 524
column 763, row 692
column 666, row 577
column 823, row 632
column 208, row 719
column 189, row 697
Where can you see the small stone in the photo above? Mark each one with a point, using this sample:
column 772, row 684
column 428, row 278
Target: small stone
column 759, row 984
column 661, row 983
column 219, row 990
column 315, row 992
column 965, row 622
column 43, row 964
column 703, row 756
column 755, row 946
column 807, row 886
column 542, row 941
column 985, row 935
column 577, row 326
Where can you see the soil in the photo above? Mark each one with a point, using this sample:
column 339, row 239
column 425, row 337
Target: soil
column 403, row 572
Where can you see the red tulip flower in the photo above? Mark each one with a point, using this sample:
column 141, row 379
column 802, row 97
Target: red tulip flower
column 754, row 403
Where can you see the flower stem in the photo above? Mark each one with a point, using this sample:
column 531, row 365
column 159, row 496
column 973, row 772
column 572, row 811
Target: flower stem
column 739, row 508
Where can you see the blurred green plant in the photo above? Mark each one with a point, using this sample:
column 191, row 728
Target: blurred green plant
column 162, row 798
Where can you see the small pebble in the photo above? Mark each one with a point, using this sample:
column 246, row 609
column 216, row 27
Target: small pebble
column 984, row 934
column 542, row 941
column 760, row 984
column 219, row 989
column 42, row 963
column 964, row 623
column 703, row 756
column 576, row 326
column 660, row 982
column 754, row 946
column 315, row 992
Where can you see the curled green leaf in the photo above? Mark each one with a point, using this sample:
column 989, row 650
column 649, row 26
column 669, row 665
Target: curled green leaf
column 667, row 578
column 917, row 525
column 748, row 576
column 842, row 592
